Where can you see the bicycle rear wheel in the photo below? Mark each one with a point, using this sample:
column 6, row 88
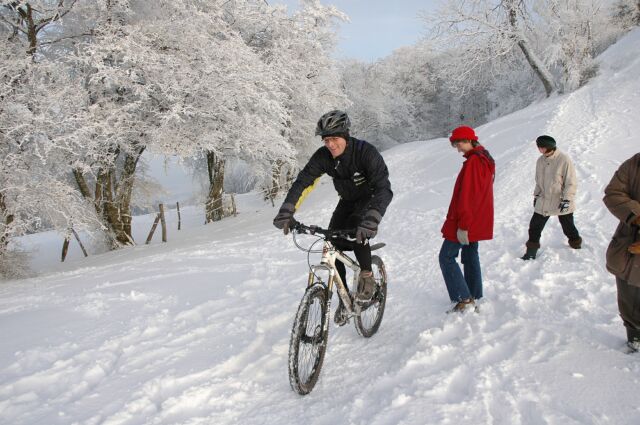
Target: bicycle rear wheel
column 308, row 340
column 368, row 322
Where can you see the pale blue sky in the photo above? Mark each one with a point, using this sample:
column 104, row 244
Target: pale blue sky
column 377, row 27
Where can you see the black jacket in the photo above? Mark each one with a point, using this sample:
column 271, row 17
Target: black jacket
column 359, row 173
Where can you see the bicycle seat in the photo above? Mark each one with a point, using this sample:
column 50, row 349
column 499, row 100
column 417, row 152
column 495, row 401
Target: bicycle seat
column 343, row 244
column 378, row 246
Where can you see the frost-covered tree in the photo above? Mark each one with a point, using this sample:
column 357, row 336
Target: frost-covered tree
column 88, row 86
column 35, row 192
column 626, row 13
column 303, row 50
column 571, row 32
column 114, row 69
column 412, row 76
column 222, row 98
column 406, row 97
column 380, row 112
column 39, row 134
column 298, row 49
column 481, row 33
column 28, row 20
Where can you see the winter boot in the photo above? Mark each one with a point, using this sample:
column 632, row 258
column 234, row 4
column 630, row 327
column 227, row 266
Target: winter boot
column 575, row 243
column 463, row 305
column 366, row 287
column 341, row 318
column 633, row 340
column 532, row 250
column 633, row 346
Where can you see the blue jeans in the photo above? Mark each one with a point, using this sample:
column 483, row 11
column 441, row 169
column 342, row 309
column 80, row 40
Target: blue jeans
column 461, row 287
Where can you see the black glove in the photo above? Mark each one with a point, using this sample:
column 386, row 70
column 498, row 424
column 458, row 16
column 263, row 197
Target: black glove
column 284, row 218
column 564, row 205
column 368, row 227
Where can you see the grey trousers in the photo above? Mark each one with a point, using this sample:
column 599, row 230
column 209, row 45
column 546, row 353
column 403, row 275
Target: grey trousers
column 629, row 307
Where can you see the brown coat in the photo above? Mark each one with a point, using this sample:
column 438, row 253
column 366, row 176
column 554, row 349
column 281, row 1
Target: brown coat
column 622, row 198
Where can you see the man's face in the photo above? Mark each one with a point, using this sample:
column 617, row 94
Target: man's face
column 543, row 150
column 463, row 146
column 336, row 145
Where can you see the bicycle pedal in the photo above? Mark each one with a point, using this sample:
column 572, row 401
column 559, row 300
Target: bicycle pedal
column 363, row 304
column 341, row 319
column 340, row 323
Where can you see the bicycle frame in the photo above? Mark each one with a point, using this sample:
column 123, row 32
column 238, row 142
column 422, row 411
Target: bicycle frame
column 328, row 263
column 310, row 332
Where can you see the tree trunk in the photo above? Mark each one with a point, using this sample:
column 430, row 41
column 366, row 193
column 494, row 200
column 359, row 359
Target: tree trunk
column 112, row 196
column 534, row 62
column 125, row 189
column 31, row 31
column 213, row 206
column 276, row 173
column 111, row 210
column 538, row 68
column 5, row 225
column 83, row 186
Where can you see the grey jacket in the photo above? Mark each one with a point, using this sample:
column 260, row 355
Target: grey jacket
column 622, row 198
column 555, row 181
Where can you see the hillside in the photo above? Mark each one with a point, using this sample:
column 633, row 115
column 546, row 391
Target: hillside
column 196, row 331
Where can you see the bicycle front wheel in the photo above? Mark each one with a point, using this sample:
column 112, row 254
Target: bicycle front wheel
column 308, row 340
column 368, row 322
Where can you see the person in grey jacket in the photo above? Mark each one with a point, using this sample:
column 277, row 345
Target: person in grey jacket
column 622, row 198
column 554, row 195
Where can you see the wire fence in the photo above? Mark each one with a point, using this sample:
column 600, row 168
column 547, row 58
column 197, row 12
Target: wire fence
column 226, row 209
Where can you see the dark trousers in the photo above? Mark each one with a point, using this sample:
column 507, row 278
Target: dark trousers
column 538, row 221
column 347, row 216
column 629, row 307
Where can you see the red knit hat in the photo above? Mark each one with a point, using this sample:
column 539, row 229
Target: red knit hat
column 463, row 133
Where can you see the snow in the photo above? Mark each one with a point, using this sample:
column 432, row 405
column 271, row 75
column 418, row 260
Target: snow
column 196, row 331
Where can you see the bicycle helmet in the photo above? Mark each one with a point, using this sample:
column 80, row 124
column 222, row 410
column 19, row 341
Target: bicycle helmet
column 333, row 123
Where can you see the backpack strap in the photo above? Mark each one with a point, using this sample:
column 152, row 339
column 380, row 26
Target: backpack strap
column 356, row 155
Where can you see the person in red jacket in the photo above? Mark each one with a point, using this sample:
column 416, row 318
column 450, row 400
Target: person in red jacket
column 469, row 220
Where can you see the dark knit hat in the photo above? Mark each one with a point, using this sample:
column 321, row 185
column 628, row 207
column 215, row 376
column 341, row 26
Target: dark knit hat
column 546, row 142
column 344, row 135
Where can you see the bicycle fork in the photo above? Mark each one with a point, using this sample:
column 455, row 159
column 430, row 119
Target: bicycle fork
column 328, row 264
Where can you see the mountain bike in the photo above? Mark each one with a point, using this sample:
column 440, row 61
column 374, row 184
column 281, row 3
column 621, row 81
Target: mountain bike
column 309, row 336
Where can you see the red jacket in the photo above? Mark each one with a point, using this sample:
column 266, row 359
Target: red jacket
column 471, row 206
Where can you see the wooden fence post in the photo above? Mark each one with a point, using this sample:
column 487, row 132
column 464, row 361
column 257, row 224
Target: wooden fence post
column 164, row 223
column 233, row 205
column 65, row 247
column 65, row 244
column 153, row 229
column 84, row 251
column 178, row 206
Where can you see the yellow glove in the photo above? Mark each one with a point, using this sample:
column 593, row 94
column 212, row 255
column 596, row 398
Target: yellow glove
column 634, row 248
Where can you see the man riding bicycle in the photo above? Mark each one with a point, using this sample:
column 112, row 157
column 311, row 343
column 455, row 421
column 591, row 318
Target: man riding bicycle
column 360, row 177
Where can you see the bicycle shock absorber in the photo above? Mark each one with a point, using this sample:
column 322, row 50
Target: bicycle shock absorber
column 344, row 295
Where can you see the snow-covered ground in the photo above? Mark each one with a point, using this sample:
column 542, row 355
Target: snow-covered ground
column 196, row 331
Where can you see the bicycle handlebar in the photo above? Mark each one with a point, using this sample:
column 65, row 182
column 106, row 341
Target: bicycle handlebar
column 327, row 233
